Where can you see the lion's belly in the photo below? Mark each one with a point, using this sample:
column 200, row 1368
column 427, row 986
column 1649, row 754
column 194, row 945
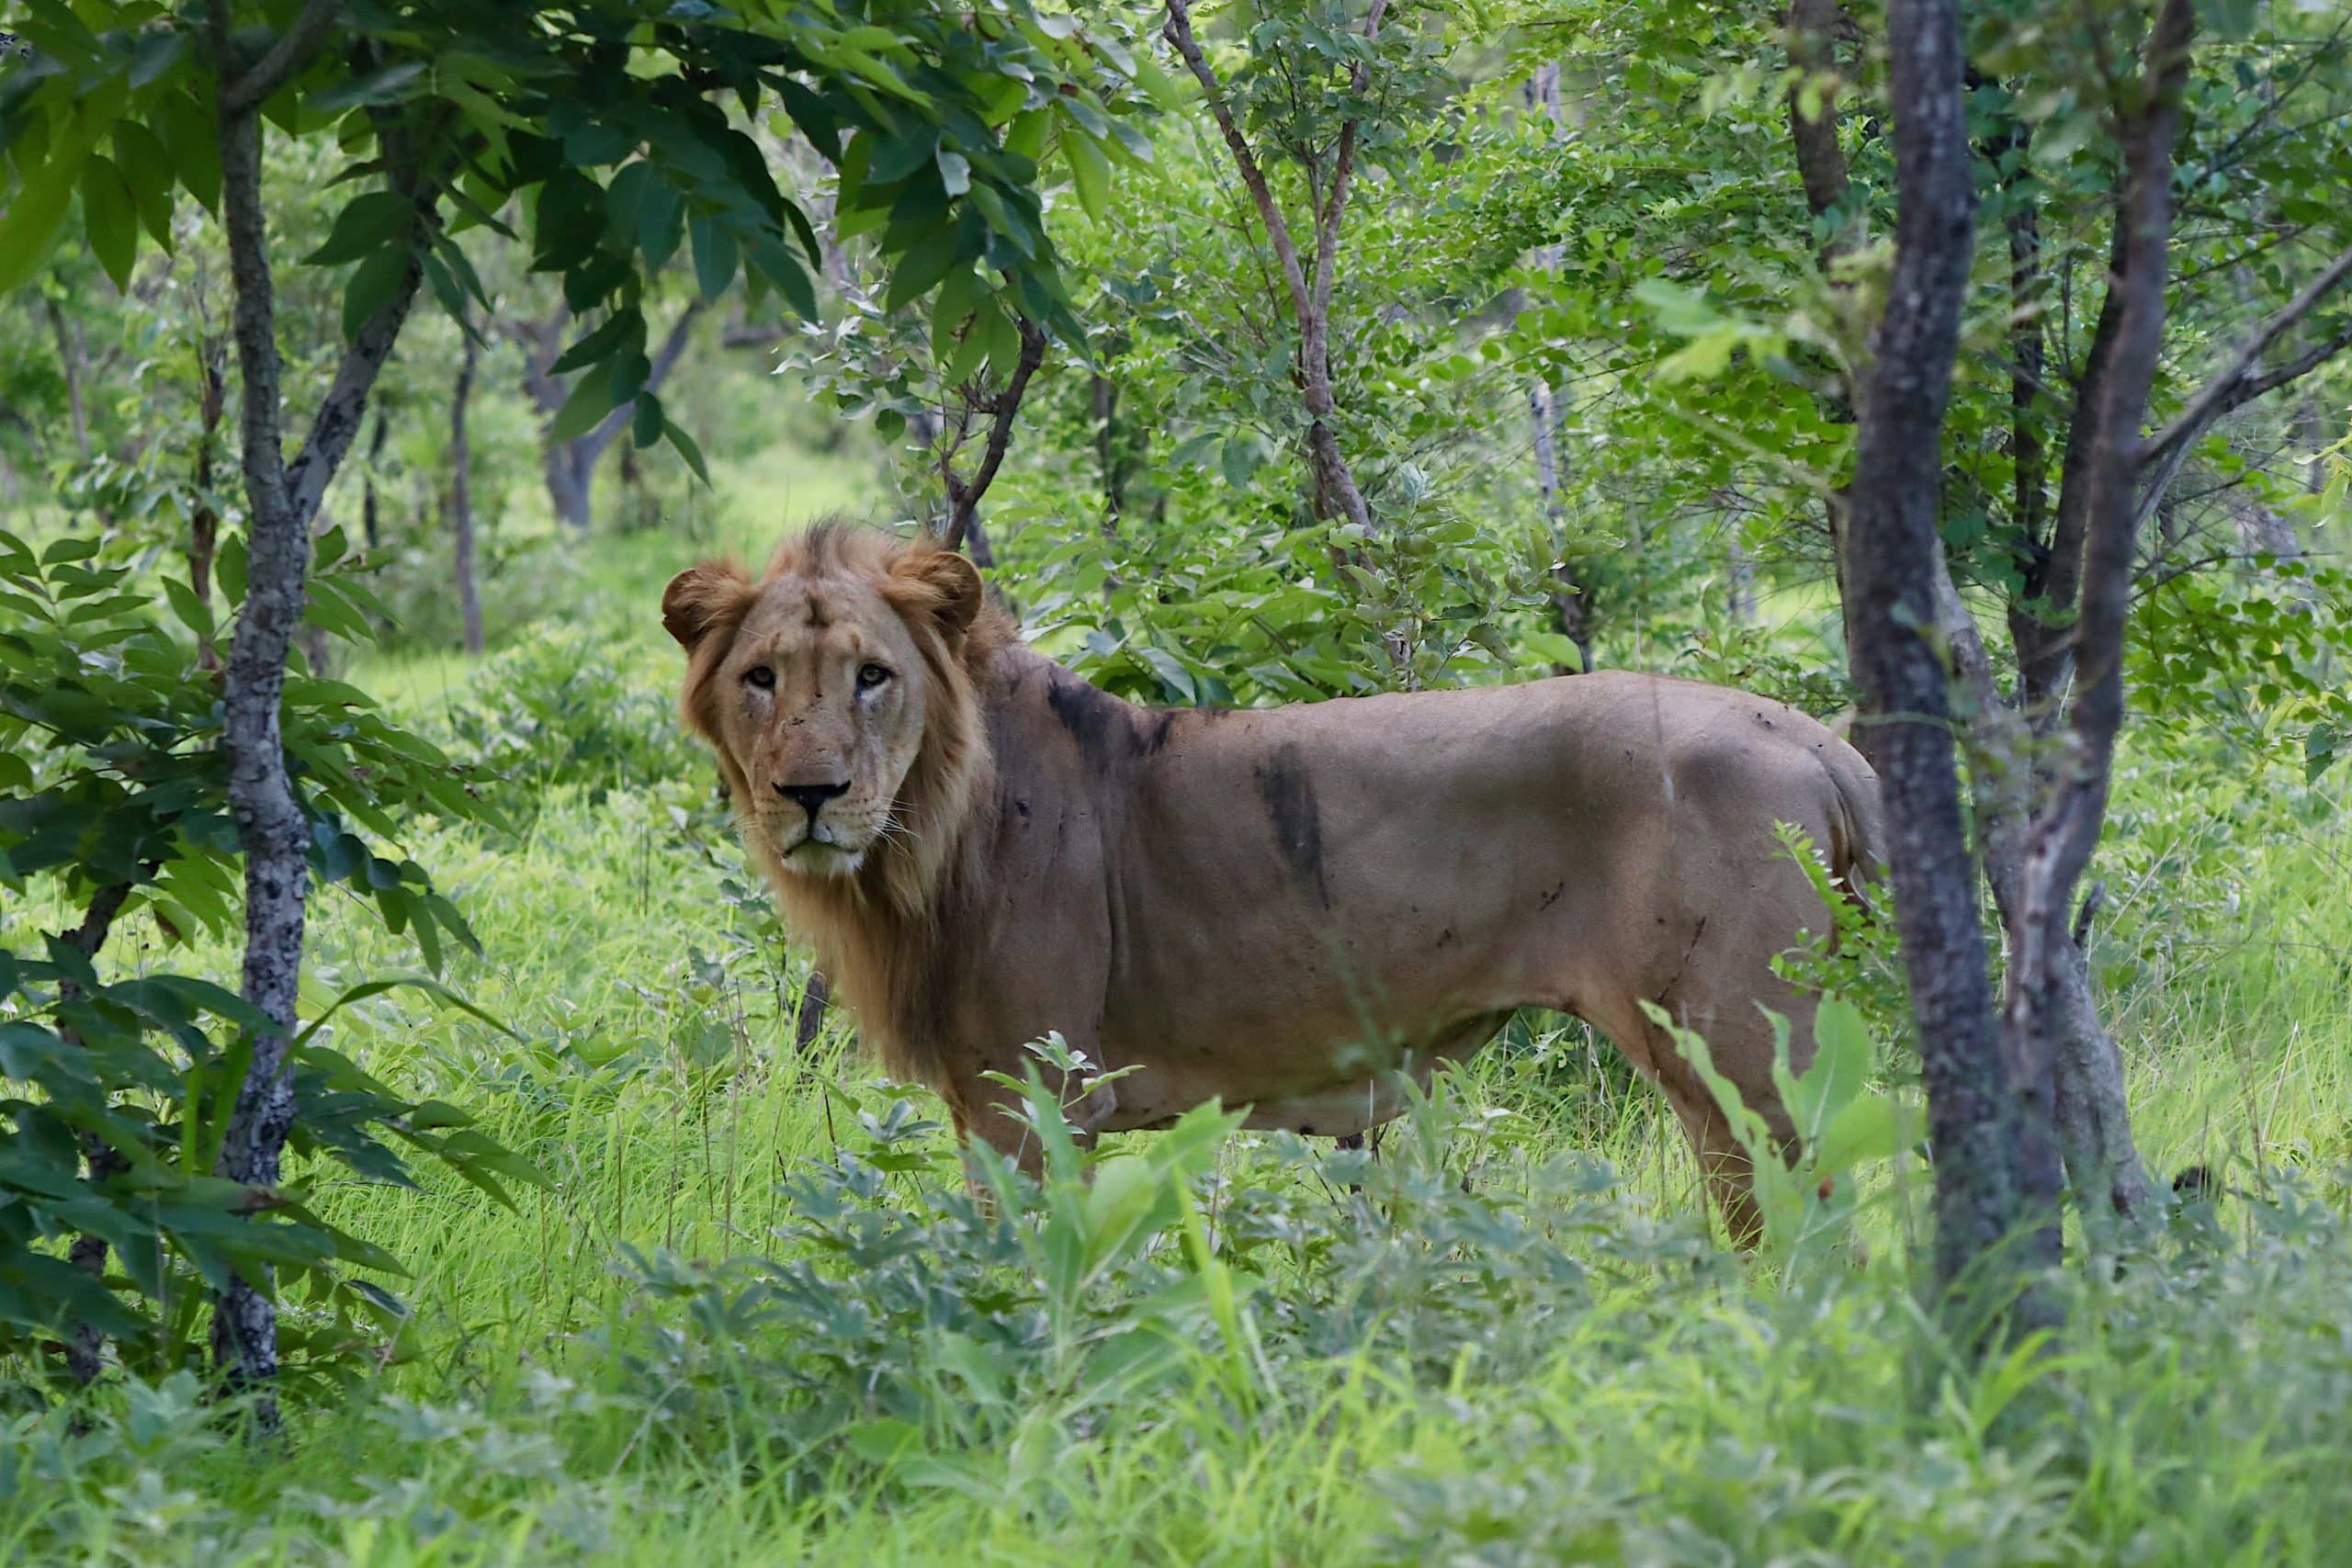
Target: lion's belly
column 1288, row 1083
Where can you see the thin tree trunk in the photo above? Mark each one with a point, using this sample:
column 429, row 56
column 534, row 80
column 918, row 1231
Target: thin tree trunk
column 73, row 359
column 2042, row 1018
column 85, row 1345
column 1812, row 36
column 281, row 500
column 1335, row 487
column 1995, row 1168
column 570, row 466
column 204, row 519
column 370, row 525
column 964, row 495
column 462, row 490
column 1103, row 394
column 1571, row 601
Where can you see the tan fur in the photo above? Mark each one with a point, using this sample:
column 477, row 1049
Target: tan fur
column 1273, row 907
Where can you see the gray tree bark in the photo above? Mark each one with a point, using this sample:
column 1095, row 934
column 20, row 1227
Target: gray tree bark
column 281, row 499
column 462, row 490
column 73, row 358
column 2046, row 1016
column 1996, row 1170
column 570, row 466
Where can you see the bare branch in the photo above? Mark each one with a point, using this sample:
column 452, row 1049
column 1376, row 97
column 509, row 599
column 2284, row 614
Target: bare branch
column 337, row 423
column 964, row 495
column 1179, row 33
column 285, row 59
column 2227, row 390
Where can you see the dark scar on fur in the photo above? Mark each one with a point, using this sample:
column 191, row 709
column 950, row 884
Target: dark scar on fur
column 1107, row 730
column 1298, row 825
column 1553, row 896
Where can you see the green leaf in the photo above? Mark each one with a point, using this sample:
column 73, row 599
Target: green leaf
column 1089, row 171
column 374, row 284
column 186, row 128
column 1841, row 1063
column 364, row 227
column 716, row 255
column 590, row 399
column 111, row 215
column 147, row 169
column 687, row 448
column 365, row 988
column 2322, row 747
column 1869, row 1130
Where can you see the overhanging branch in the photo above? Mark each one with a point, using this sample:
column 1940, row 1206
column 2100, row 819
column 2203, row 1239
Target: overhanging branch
column 283, row 62
column 2239, row 384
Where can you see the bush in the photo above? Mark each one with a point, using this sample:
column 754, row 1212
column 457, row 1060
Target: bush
column 558, row 709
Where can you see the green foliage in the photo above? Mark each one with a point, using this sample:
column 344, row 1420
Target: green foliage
column 614, row 134
column 2256, row 663
column 1809, row 1193
column 555, row 710
column 113, row 795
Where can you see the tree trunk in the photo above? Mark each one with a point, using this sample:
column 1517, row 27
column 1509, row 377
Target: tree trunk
column 571, row 474
column 1335, row 487
column 1995, row 1165
column 1812, row 36
column 73, row 359
column 271, row 829
column 85, row 1345
column 204, row 519
column 1103, row 394
column 461, row 491
column 2047, row 1016
column 370, row 524
column 570, row 466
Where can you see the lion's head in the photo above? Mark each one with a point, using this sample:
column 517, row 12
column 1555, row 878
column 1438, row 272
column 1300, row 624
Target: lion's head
column 838, row 693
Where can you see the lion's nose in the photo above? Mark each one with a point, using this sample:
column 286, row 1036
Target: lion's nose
column 811, row 797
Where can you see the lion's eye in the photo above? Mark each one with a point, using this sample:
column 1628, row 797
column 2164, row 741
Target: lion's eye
column 870, row 676
column 762, row 677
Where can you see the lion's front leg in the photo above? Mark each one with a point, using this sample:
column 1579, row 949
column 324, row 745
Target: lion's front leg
column 1000, row 1119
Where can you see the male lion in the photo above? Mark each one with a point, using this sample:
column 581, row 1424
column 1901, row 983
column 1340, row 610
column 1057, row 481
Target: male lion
column 1273, row 907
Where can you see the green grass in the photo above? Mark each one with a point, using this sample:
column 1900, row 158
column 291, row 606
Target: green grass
column 1532, row 1371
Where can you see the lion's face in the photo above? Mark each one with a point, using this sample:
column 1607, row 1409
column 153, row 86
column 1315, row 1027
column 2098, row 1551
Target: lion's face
column 815, row 688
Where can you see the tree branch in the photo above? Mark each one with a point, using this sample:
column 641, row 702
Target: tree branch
column 1179, row 33
column 2234, row 387
column 285, row 59
column 964, row 496
column 1821, row 160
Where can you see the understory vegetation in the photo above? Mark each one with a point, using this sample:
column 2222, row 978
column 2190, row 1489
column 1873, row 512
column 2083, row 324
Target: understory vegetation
column 421, row 1141
column 751, row 1314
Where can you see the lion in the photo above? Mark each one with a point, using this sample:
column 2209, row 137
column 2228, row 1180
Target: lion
column 1275, row 908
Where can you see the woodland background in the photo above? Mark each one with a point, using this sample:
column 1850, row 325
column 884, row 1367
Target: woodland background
column 514, row 1196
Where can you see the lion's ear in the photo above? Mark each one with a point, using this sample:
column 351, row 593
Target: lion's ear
column 954, row 584
column 698, row 598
